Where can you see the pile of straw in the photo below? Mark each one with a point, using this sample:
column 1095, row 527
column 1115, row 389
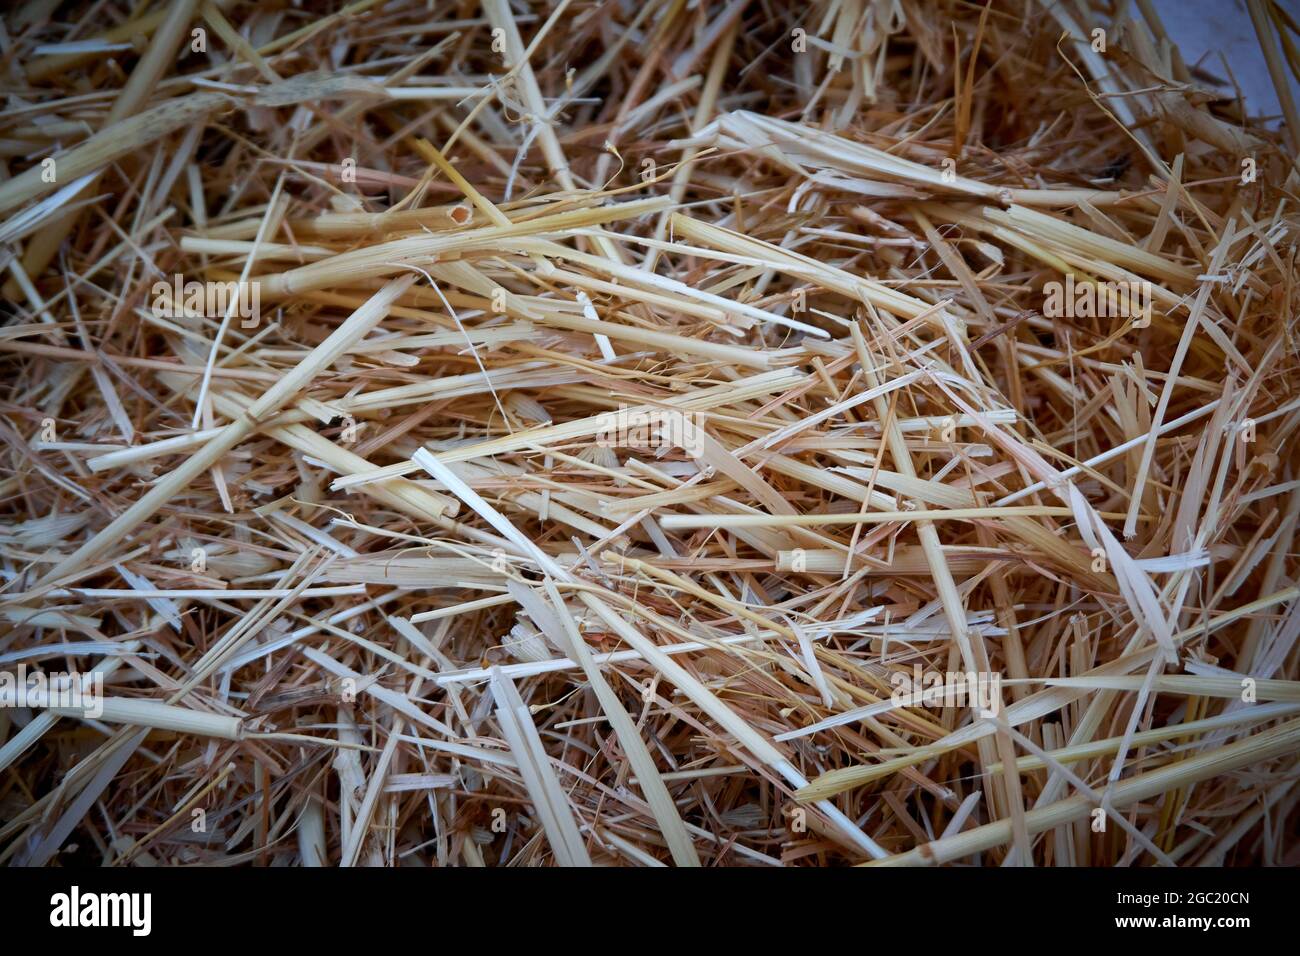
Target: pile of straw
column 567, row 434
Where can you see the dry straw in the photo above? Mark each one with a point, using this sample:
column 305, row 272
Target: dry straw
column 561, row 434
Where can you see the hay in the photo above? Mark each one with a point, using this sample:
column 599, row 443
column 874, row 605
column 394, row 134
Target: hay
column 605, row 434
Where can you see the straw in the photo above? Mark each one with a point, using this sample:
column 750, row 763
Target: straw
column 646, row 434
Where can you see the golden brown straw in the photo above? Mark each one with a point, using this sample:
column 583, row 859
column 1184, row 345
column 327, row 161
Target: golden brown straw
column 696, row 434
